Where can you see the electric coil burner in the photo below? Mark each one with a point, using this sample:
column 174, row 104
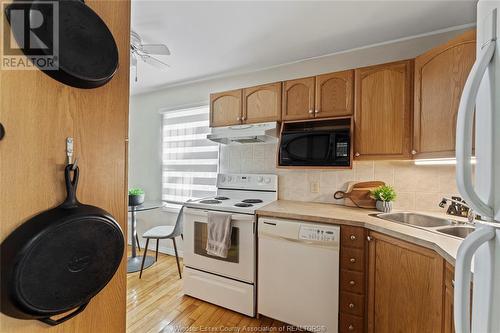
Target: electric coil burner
column 242, row 204
column 252, row 201
column 210, row 201
column 221, row 198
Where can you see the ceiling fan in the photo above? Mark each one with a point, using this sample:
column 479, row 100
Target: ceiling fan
column 145, row 52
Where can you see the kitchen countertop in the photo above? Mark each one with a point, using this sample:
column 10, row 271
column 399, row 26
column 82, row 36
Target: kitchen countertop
column 446, row 246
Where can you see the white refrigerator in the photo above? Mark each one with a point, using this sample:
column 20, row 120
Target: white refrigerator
column 481, row 97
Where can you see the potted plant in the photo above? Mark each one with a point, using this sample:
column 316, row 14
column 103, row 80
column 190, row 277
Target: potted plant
column 135, row 197
column 384, row 196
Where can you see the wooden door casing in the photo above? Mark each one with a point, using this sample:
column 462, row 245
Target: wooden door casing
column 262, row 103
column 405, row 286
column 298, row 99
column 226, row 108
column 383, row 102
column 440, row 76
column 334, row 94
column 38, row 114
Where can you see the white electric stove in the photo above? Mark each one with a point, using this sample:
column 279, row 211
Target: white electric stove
column 228, row 282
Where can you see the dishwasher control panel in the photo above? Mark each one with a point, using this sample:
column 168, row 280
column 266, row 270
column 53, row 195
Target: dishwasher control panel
column 315, row 233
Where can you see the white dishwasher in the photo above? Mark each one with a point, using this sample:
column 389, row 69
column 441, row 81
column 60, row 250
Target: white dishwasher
column 298, row 273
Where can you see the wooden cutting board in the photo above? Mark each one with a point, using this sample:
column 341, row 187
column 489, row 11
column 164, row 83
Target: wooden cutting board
column 357, row 194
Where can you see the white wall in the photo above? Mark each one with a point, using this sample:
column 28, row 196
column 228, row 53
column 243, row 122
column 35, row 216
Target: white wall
column 145, row 121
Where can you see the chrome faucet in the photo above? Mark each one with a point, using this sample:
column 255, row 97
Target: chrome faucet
column 454, row 207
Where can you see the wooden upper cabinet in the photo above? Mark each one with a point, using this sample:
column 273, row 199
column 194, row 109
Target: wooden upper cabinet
column 298, row 99
column 405, row 286
column 334, row 94
column 262, row 103
column 440, row 76
column 383, row 101
column 226, row 108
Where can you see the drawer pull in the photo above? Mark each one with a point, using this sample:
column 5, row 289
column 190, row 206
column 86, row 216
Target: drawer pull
column 350, row 328
column 353, row 260
column 352, row 283
column 351, row 305
column 353, row 237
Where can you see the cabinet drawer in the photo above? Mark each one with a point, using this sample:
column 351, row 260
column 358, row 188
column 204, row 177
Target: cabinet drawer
column 351, row 324
column 352, row 259
column 352, row 303
column 352, row 281
column 352, row 237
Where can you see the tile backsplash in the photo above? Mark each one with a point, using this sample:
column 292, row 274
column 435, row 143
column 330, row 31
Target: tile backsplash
column 417, row 187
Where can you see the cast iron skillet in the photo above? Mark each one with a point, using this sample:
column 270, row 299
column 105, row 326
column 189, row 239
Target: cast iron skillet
column 87, row 55
column 59, row 259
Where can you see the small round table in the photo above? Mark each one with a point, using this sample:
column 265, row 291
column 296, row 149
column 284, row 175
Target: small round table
column 134, row 261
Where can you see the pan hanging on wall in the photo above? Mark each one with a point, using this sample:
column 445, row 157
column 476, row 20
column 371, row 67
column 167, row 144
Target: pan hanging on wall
column 59, row 259
column 65, row 39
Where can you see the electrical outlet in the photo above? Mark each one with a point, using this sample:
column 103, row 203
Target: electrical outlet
column 314, row 187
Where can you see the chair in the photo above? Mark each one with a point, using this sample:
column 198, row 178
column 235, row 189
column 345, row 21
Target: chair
column 164, row 232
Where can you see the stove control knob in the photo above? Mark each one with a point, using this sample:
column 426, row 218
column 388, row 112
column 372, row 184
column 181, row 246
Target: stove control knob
column 229, row 179
column 267, row 180
column 222, row 179
column 260, row 179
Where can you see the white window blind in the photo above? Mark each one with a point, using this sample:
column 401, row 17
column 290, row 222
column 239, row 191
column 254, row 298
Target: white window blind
column 190, row 161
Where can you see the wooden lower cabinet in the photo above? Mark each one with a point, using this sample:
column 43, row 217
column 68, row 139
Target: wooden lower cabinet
column 448, row 323
column 352, row 285
column 405, row 286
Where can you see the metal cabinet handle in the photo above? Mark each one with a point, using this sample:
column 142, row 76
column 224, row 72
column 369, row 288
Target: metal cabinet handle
column 352, row 283
column 353, row 237
column 413, row 152
column 357, row 154
column 243, row 118
column 351, row 305
column 453, row 283
column 350, row 328
column 238, row 118
column 311, row 111
column 316, row 111
column 369, row 238
column 353, row 260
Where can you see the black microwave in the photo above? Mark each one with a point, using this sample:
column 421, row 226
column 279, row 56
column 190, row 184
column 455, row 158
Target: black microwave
column 316, row 148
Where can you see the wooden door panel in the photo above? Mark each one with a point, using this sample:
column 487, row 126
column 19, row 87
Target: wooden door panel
column 262, row 103
column 226, row 108
column 298, row 99
column 334, row 94
column 383, row 109
column 39, row 113
column 440, row 76
column 405, row 285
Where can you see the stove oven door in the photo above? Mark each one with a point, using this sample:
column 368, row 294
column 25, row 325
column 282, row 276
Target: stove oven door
column 240, row 262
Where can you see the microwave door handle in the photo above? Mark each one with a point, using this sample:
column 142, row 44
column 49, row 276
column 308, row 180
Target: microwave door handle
column 464, row 132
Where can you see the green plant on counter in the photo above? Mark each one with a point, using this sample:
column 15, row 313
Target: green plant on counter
column 136, row 191
column 384, row 193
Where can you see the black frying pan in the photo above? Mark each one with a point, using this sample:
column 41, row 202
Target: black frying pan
column 59, row 259
column 86, row 52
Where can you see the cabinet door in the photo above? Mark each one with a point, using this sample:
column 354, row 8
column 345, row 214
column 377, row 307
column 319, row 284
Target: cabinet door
column 262, row 103
column 440, row 76
column 448, row 322
column 383, row 99
column 334, row 94
column 405, row 287
column 298, row 99
column 225, row 108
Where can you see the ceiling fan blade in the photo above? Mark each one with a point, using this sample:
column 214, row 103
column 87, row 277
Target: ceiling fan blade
column 160, row 49
column 154, row 62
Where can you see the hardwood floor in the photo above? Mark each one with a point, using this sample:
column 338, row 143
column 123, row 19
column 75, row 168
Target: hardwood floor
column 155, row 303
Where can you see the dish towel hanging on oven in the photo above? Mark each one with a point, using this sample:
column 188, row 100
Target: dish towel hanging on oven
column 219, row 234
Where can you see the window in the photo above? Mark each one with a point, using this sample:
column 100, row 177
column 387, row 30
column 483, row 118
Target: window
column 189, row 160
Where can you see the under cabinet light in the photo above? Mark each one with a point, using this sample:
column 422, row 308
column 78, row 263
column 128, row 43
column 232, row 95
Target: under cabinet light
column 440, row 161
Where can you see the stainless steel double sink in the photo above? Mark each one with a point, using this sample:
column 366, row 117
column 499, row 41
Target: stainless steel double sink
column 441, row 225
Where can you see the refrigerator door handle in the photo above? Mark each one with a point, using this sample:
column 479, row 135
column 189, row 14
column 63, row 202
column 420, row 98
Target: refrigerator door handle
column 463, row 275
column 465, row 120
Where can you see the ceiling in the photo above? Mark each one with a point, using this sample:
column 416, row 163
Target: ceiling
column 216, row 38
